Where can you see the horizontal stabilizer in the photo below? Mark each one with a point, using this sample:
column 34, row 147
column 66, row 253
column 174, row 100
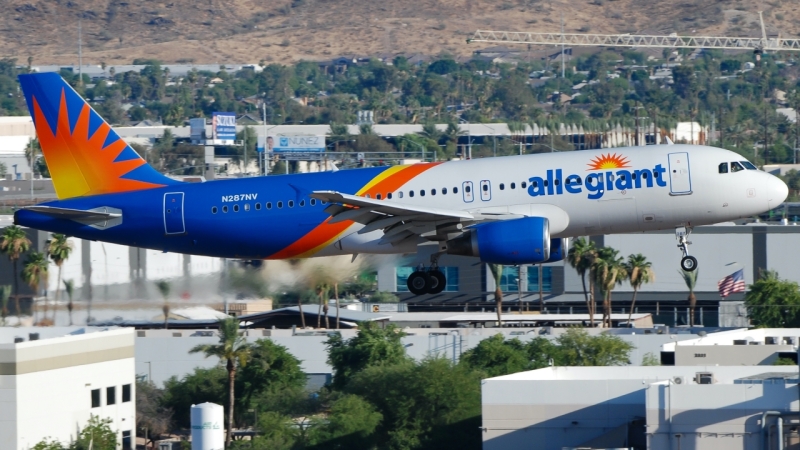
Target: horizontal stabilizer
column 74, row 214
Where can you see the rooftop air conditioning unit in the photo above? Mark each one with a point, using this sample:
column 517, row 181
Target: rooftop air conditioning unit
column 704, row 378
column 679, row 380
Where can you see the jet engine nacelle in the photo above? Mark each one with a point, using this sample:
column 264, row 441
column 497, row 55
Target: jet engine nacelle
column 509, row 242
column 558, row 249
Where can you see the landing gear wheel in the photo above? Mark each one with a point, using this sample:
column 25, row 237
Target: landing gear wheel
column 436, row 281
column 689, row 263
column 418, row 283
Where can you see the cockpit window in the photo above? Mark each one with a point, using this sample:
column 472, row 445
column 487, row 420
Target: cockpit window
column 748, row 165
column 723, row 168
column 735, row 167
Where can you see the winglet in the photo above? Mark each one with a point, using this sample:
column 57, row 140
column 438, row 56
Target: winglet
column 83, row 154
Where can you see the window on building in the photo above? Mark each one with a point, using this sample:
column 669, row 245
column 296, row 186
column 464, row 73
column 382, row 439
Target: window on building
column 533, row 279
column 508, row 282
column 451, row 273
column 126, row 440
column 111, row 395
column 126, row 393
column 95, row 398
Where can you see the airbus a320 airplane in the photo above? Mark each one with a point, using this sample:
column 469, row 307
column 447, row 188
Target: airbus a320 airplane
column 510, row 210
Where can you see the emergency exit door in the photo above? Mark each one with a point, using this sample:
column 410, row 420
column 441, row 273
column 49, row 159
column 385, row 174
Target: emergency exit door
column 680, row 179
column 173, row 213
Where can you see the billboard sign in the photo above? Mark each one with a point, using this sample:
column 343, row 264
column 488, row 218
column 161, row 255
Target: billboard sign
column 260, row 144
column 197, row 129
column 224, row 126
column 296, row 144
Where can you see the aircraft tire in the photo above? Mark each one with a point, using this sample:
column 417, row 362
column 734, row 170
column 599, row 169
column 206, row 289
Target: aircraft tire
column 418, row 283
column 689, row 263
column 436, row 282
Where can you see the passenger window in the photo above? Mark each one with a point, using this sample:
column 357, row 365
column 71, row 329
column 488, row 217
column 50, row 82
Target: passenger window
column 736, row 167
column 574, row 180
column 377, row 196
column 485, row 188
column 313, row 202
column 291, row 203
column 455, row 190
column 389, row 196
column 400, row 194
column 433, row 191
column 524, row 184
column 280, row 205
column 748, row 165
column 213, row 210
column 367, row 196
column 225, row 209
column 269, row 205
column 235, row 208
column 247, row 206
column 302, row 203
column 502, row 186
column 444, row 191
column 422, row 193
column 513, row 185
column 410, row 193
column 723, row 168
column 258, row 206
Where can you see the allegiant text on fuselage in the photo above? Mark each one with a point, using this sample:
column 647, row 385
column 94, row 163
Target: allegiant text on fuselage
column 596, row 183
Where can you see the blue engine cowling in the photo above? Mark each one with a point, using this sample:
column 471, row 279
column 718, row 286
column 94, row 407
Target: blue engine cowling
column 510, row 242
column 558, row 249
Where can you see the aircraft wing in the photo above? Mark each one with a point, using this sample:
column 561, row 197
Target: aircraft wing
column 400, row 222
column 74, row 214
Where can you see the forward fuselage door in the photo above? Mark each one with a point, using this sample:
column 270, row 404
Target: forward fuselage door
column 680, row 179
column 467, row 191
column 173, row 213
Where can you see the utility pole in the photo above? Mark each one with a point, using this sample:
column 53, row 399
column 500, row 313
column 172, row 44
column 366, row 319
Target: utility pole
column 636, row 123
column 562, row 45
column 266, row 139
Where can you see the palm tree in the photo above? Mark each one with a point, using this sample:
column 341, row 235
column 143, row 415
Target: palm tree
column 640, row 271
column 59, row 250
column 14, row 242
column 690, row 278
column 232, row 349
column 581, row 256
column 35, row 271
column 69, row 286
column 164, row 288
column 430, row 131
column 5, row 292
column 497, row 273
column 609, row 271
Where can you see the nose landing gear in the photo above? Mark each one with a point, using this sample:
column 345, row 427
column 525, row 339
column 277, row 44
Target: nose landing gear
column 430, row 281
column 688, row 262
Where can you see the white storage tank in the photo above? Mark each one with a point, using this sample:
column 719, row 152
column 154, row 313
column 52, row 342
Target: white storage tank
column 208, row 432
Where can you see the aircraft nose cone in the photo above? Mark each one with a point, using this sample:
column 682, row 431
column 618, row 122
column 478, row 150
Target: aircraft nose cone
column 777, row 191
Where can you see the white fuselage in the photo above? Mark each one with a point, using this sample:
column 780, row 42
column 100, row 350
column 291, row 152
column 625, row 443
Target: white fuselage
column 619, row 190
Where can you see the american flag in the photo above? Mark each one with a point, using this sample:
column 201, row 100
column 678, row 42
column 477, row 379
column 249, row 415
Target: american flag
column 731, row 284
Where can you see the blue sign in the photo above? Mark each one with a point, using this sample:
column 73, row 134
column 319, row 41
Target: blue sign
column 224, row 126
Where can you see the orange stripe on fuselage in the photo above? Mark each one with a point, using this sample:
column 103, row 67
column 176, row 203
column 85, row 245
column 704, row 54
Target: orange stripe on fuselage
column 326, row 233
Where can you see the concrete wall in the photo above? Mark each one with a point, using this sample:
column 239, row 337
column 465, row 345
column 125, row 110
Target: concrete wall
column 45, row 386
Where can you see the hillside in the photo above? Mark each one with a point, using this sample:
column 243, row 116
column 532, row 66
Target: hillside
column 210, row 31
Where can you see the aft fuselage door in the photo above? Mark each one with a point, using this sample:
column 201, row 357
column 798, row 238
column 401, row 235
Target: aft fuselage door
column 173, row 213
column 467, row 191
column 486, row 190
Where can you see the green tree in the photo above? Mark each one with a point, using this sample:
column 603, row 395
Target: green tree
column 351, row 423
column 498, row 356
column 164, row 288
column 270, row 366
column 577, row 348
column 609, row 271
column 371, row 346
column 640, row 271
column 199, row 386
column 690, row 278
column 581, row 256
column 650, row 359
column 35, row 272
column 48, row 444
column 151, row 415
column 69, row 287
column 96, row 435
column 772, row 302
column 497, row 274
column 234, row 351
column 276, row 431
column 59, row 250
column 14, row 242
column 427, row 405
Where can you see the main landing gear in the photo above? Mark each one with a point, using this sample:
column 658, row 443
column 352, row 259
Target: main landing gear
column 688, row 263
column 430, row 281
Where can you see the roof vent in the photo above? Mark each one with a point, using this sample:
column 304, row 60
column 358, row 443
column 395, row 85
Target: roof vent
column 33, row 336
column 18, row 339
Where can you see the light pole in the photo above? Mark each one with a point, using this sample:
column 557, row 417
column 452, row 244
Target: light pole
column 422, row 147
column 469, row 137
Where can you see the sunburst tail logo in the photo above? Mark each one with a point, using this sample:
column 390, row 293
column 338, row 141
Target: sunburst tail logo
column 609, row 161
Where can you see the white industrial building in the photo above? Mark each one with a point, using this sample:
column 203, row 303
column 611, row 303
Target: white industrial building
column 52, row 380
column 758, row 346
column 654, row 408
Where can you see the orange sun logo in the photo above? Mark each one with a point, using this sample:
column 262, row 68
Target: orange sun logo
column 608, row 161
